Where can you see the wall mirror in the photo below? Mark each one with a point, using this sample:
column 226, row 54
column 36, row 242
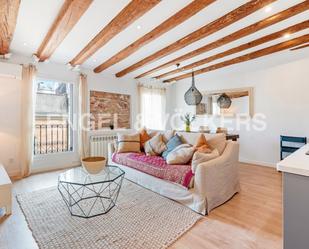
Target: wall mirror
column 227, row 102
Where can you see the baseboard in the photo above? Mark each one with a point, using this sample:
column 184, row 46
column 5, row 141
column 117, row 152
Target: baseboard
column 265, row 164
column 14, row 174
column 50, row 169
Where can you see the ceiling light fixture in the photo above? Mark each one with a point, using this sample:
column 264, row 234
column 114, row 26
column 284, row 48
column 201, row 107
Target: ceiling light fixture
column 193, row 95
column 138, row 26
column 35, row 58
column 73, row 68
column 287, row 36
column 69, row 66
column 76, row 68
column 224, row 101
column 268, row 9
column 25, row 43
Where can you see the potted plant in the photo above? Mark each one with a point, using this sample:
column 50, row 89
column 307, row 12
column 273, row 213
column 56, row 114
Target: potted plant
column 188, row 119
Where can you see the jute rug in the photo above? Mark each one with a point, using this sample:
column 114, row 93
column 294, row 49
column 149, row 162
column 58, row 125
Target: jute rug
column 141, row 219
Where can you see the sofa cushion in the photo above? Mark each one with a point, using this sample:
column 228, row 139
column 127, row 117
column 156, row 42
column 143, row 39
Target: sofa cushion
column 218, row 142
column 199, row 157
column 155, row 146
column 182, row 154
column 201, row 144
column 166, row 135
column 144, row 137
column 128, row 143
column 188, row 137
column 215, row 140
column 171, row 145
column 155, row 166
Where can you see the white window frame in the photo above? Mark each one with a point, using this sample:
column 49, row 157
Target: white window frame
column 66, row 159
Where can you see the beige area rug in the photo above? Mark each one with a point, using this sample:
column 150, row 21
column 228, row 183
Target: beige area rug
column 141, row 219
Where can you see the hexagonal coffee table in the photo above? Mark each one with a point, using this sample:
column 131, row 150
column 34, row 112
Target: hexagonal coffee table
column 89, row 195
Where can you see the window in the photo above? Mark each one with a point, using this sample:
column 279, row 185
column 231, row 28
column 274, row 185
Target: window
column 53, row 117
column 152, row 107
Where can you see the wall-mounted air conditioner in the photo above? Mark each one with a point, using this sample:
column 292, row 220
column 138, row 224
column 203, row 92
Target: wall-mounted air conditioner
column 10, row 70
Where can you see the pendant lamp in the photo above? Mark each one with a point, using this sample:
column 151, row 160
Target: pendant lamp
column 224, row 101
column 193, row 96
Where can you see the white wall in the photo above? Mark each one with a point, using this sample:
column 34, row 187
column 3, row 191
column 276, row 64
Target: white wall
column 10, row 111
column 280, row 93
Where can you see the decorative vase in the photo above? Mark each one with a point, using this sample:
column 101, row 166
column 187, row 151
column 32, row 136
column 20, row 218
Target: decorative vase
column 188, row 128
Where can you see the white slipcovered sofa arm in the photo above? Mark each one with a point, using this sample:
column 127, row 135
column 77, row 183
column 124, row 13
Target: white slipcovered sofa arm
column 218, row 179
column 110, row 150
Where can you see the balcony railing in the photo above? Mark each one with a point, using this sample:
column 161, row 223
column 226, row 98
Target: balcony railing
column 52, row 138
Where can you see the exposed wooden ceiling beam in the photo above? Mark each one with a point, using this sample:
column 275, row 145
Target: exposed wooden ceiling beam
column 70, row 12
column 134, row 10
column 300, row 47
column 292, row 11
column 8, row 17
column 164, row 27
column 250, row 56
column 264, row 39
column 236, row 95
column 206, row 30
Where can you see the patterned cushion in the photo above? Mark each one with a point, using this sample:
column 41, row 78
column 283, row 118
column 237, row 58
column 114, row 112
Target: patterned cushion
column 155, row 146
column 128, row 143
column 181, row 155
column 199, row 157
column 171, row 145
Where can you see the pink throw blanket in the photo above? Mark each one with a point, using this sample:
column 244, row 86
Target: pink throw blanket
column 155, row 166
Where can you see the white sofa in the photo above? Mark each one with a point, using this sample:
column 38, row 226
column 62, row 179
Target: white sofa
column 215, row 181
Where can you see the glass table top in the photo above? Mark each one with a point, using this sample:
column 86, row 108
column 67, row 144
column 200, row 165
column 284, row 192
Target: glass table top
column 79, row 176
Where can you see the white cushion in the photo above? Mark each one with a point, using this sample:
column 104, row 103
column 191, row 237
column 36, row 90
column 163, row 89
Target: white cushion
column 182, row 154
column 199, row 157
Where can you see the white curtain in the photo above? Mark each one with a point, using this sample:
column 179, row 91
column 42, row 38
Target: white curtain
column 28, row 97
column 152, row 107
column 83, row 124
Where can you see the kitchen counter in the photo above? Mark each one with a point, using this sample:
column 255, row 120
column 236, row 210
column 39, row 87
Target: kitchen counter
column 296, row 163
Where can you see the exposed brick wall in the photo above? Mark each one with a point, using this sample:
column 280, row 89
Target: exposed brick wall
column 109, row 108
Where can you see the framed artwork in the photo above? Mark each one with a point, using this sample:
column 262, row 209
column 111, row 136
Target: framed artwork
column 109, row 110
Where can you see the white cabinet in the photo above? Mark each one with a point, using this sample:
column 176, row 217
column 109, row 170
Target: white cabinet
column 295, row 169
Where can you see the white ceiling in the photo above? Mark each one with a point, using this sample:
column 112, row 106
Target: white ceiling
column 36, row 16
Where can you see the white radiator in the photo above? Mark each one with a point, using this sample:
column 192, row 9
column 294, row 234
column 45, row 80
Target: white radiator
column 99, row 144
